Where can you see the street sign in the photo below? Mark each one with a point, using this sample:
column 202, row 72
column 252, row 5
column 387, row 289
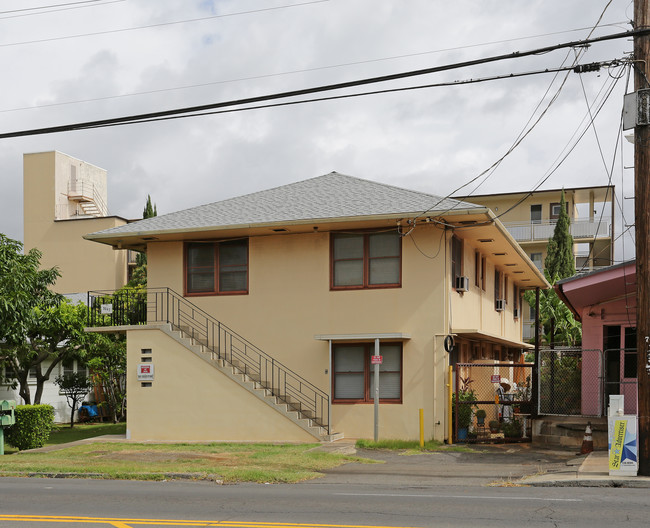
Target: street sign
column 376, row 360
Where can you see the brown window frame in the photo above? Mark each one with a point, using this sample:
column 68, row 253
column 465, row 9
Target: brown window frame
column 366, row 263
column 478, row 279
column 215, row 269
column 550, row 210
column 368, row 397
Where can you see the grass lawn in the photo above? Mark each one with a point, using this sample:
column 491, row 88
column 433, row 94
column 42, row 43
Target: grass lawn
column 62, row 434
column 224, row 462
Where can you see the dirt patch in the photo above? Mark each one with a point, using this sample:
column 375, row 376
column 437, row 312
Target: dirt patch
column 164, row 456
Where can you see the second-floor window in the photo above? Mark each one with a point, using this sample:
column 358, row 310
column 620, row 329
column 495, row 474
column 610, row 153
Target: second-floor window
column 536, row 214
column 366, row 260
column 217, row 267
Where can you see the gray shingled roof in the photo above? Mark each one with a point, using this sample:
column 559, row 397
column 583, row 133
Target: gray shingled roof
column 329, row 196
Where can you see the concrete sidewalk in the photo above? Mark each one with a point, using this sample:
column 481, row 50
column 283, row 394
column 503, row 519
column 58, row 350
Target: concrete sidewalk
column 586, row 471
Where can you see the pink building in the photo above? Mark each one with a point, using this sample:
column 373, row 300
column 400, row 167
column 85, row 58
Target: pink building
column 605, row 302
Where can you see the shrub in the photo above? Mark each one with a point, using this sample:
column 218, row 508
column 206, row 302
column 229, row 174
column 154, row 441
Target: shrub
column 32, row 428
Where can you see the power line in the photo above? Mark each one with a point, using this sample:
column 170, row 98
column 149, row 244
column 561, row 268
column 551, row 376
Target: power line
column 59, row 9
column 526, row 130
column 317, row 89
column 292, row 72
column 346, row 96
column 162, row 24
column 48, row 6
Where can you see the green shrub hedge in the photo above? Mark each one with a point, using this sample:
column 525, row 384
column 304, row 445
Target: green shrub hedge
column 32, row 428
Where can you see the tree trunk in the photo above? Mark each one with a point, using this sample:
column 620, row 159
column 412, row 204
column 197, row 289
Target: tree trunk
column 23, row 391
column 74, row 404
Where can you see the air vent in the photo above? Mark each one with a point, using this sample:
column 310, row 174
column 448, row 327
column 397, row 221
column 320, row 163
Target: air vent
column 462, row 284
column 500, row 305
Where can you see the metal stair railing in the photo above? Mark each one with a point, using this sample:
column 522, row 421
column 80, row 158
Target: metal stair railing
column 139, row 306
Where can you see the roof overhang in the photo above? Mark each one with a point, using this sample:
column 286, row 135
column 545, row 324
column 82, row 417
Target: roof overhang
column 493, row 240
column 351, row 338
column 597, row 287
column 479, row 335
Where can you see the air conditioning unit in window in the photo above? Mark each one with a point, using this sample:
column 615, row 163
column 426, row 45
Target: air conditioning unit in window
column 515, row 313
column 462, row 284
column 500, row 305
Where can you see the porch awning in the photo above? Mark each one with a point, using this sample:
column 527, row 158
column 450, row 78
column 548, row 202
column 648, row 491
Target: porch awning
column 392, row 336
column 479, row 335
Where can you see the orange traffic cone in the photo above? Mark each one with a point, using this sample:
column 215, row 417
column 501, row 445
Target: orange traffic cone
column 587, row 441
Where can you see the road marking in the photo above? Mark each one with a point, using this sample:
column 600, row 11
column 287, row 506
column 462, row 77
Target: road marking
column 510, row 497
column 128, row 523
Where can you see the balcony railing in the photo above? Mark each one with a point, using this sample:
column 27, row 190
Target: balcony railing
column 580, row 229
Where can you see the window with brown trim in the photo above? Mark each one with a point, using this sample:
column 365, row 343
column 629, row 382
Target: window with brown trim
column 505, row 288
column 216, row 268
column 555, row 208
column 353, row 374
column 365, row 260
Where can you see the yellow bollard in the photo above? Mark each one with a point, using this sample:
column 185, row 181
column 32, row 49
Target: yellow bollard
column 421, row 427
column 450, row 384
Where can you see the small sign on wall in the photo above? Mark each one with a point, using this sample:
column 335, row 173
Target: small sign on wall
column 495, row 378
column 107, row 309
column 145, row 372
column 376, row 360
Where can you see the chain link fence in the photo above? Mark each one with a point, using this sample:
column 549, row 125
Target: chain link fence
column 578, row 382
column 492, row 402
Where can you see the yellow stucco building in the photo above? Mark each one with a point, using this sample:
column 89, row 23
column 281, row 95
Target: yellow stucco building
column 314, row 278
column 530, row 218
column 65, row 198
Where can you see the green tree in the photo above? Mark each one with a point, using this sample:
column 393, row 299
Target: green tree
column 558, row 323
column 106, row 360
column 52, row 335
column 23, row 286
column 75, row 386
column 139, row 275
column 559, row 260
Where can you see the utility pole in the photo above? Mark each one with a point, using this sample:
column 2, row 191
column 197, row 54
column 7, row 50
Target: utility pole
column 642, row 219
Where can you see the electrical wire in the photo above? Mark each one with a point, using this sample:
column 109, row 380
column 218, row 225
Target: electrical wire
column 317, row 89
column 558, row 162
column 290, row 72
column 337, row 97
column 49, row 6
column 490, row 170
column 608, row 170
column 62, row 9
column 161, row 24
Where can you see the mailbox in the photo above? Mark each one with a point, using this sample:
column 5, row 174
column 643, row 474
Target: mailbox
column 7, row 412
column 7, row 418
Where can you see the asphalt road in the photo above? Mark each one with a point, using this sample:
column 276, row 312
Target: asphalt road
column 421, row 491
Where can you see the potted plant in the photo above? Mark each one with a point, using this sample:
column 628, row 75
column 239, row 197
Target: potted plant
column 494, row 426
column 480, row 417
column 512, row 429
column 464, row 407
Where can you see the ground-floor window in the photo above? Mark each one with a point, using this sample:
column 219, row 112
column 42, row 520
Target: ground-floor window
column 353, row 377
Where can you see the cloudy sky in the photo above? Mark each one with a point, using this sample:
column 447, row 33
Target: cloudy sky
column 79, row 61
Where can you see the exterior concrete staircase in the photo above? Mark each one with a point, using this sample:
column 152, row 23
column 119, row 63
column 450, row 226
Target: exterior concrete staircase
column 281, row 403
